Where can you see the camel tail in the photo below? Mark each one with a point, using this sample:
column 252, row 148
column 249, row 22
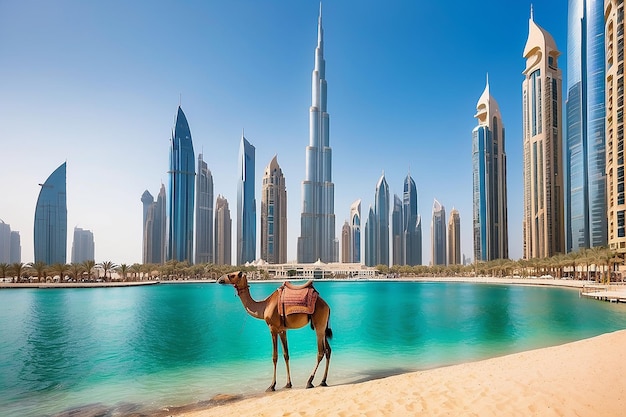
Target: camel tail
column 329, row 331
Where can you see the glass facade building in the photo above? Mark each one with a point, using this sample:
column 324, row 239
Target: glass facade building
column 154, row 227
column 438, row 234
column 397, row 232
column 83, row 246
column 223, row 232
column 355, row 232
column 490, row 224
column 182, row 192
column 585, row 181
column 50, row 231
column 317, row 223
column 381, row 214
column 412, row 224
column 246, row 205
column 204, row 213
column 370, row 238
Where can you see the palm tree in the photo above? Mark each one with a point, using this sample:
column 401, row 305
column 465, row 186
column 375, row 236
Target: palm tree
column 40, row 268
column 76, row 270
column 107, row 266
column 135, row 269
column 574, row 257
column 4, row 268
column 18, row 269
column 88, row 267
column 122, row 269
column 60, row 269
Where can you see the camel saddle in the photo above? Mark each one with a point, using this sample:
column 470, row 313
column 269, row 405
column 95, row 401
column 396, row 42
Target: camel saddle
column 294, row 299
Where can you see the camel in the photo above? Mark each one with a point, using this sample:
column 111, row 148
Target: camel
column 268, row 310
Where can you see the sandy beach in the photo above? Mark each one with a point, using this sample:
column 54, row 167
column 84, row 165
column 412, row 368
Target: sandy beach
column 584, row 378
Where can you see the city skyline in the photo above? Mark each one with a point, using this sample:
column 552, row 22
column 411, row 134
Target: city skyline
column 119, row 99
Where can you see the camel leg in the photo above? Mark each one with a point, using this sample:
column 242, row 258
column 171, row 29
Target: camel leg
column 283, row 339
column 320, row 355
column 327, row 352
column 275, row 359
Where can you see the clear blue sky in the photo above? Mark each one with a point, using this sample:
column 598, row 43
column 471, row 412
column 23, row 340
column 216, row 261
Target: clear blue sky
column 97, row 84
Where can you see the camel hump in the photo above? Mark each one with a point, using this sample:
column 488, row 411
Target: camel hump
column 308, row 284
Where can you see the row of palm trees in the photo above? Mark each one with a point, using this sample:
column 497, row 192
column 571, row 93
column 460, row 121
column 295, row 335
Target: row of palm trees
column 575, row 265
column 90, row 270
column 599, row 263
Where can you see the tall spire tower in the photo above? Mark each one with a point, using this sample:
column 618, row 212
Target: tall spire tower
column 317, row 224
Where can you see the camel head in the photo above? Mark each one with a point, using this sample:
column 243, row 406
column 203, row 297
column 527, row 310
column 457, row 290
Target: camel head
column 237, row 279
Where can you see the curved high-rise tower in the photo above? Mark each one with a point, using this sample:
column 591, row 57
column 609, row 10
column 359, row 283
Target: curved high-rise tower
column 317, row 223
column 182, row 190
column 50, row 229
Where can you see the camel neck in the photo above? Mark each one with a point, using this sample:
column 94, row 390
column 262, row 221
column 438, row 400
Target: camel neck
column 255, row 308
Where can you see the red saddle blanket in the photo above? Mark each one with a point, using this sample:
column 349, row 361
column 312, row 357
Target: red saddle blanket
column 293, row 301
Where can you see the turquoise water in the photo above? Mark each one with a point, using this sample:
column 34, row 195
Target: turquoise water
column 139, row 348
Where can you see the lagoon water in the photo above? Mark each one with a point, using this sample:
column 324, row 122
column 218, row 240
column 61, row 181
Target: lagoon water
column 143, row 348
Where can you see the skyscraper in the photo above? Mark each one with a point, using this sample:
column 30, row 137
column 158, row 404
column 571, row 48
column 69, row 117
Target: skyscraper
column 274, row 215
column 50, row 231
column 438, row 234
column 355, row 231
column 83, row 247
column 454, row 238
column 543, row 230
column 182, row 192
column 346, row 243
column 154, row 229
column 370, row 238
column 616, row 210
column 16, row 247
column 397, row 232
column 489, row 182
column 5, row 242
column 147, row 201
column 381, row 212
column 204, row 213
column 10, row 246
column 246, row 205
column 412, row 224
column 317, row 223
column 585, row 181
column 223, row 232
